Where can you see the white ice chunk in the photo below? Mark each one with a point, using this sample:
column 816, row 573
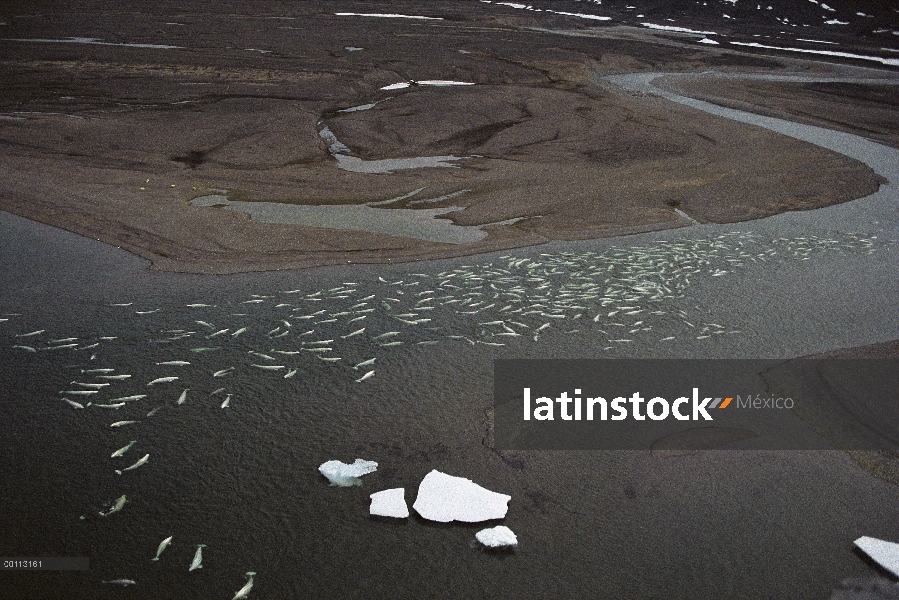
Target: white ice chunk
column 708, row 41
column 497, row 537
column 344, row 475
column 389, row 503
column 397, row 86
column 445, row 498
column 886, row 554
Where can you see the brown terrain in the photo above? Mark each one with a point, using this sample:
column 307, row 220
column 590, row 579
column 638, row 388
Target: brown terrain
column 113, row 141
column 871, row 111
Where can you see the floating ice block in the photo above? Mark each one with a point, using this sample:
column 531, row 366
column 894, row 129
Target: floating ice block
column 886, row 554
column 497, row 537
column 344, row 475
column 389, row 503
column 445, row 498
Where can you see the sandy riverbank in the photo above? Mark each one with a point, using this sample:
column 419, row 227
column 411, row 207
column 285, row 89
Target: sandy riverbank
column 112, row 142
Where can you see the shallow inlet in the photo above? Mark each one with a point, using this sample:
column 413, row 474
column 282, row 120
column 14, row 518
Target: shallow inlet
column 420, row 223
column 340, row 152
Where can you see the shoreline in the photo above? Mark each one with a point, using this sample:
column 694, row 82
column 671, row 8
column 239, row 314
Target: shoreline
column 398, row 250
column 623, row 164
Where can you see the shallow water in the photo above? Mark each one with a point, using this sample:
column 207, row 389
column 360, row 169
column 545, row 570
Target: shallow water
column 419, row 223
column 243, row 479
column 340, row 152
column 388, row 165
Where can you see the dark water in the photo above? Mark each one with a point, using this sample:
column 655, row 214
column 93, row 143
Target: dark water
column 243, row 479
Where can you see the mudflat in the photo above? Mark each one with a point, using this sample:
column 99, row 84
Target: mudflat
column 870, row 110
column 113, row 120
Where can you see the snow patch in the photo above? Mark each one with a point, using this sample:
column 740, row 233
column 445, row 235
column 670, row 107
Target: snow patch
column 886, row 61
column 679, row 29
column 438, row 82
column 388, row 16
column 397, row 86
column 581, row 15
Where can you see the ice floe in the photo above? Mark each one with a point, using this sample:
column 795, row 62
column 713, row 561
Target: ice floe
column 389, row 503
column 886, row 554
column 886, row 61
column 344, row 475
column 446, row 498
column 497, row 537
column 708, row 41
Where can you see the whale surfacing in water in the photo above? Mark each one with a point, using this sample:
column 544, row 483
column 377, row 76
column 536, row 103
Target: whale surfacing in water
column 116, row 507
column 244, row 592
column 162, row 546
column 140, row 462
column 123, row 449
column 197, row 562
